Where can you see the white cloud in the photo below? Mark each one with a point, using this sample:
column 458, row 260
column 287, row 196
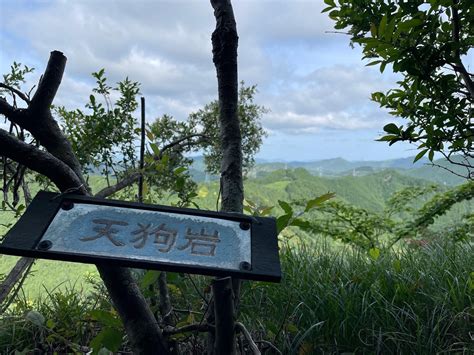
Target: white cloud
column 309, row 79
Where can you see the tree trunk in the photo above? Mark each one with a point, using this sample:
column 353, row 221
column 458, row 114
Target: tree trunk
column 224, row 50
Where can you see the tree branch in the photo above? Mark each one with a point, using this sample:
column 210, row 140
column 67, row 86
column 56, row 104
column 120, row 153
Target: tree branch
column 180, row 140
column 40, row 161
column 49, row 84
column 253, row 347
column 459, row 66
column 61, row 165
column 6, row 109
column 125, row 182
column 15, row 91
column 189, row 328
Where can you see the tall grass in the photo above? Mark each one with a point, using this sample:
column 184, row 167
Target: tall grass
column 417, row 301
column 331, row 300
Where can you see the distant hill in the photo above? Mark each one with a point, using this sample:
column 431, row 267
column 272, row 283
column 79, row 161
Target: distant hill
column 369, row 191
column 338, row 167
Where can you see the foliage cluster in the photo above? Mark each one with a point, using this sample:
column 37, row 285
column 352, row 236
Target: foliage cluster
column 426, row 43
column 115, row 153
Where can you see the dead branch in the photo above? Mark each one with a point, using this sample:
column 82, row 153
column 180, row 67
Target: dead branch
column 189, row 328
column 40, row 161
column 125, row 182
column 240, row 327
column 16, row 92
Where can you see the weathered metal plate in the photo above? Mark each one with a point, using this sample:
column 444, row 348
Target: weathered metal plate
column 149, row 235
column 146, row 236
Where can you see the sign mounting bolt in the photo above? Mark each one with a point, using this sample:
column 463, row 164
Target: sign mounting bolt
column 45, row 245
column 244, row 225
column 67, row 205
column 245, row 266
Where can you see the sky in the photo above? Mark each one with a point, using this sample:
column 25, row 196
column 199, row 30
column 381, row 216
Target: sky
column 315, row 85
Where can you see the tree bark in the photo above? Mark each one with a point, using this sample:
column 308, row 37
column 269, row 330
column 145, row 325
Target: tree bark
column 15, row 274
column 224, row 50
column 224, row 313
column 60, row 164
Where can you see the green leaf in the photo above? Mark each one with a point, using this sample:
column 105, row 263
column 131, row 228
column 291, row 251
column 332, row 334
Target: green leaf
column 420, row 155
column 286, row 207
column 330, row 3
column 109, row 338
column 334, row 15
column 36, row 318
column 374, row 253
column 382, row 25
column 282, row 222
column 150, row 135
column 388, row 138
column 150, row 278
column 373, row 63
column 179, row 170
column 155, row 149
column 318, row 201
column 373, row 30
column 397, row 265
column 297, row 222
column 266, row 211
column 106, row 318
column 431, row 155
column 389, row 30
column 391, row 128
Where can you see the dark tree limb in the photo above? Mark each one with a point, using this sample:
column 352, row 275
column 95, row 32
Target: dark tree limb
column 143, row 331
column 224, row 50
column 37, row 118
column 16, row 92
column 49, row 83
column 21, row 266
column 61, row 166
column 125, row 182
column 459, row 66
column 166, row 308
column 189, row 328
column 6, row 109
column 40, row 161
column 178, row 142
column 224, row 316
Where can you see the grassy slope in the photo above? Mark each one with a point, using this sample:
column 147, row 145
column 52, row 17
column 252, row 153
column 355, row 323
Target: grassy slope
column 369, row 191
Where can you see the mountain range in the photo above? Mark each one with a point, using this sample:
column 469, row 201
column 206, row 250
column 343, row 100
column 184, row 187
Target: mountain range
column 337, row 167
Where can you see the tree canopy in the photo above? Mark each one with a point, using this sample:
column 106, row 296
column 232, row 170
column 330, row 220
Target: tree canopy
column 427, row 44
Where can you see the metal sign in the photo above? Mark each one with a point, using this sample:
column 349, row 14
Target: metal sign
column 91, row 230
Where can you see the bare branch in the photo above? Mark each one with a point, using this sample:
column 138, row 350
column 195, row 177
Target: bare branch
column 15, row 91
column 15, row 274
column 180, row 140
column 468, row 176
column 189, row 328
column 49, row 84
column 125, row 182
column 40, row 161
column 6, row 109
column 270, row 345
column 239, row 326
column 459, row 66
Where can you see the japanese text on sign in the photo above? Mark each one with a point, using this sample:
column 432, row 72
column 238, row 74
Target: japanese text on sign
column 198, row 243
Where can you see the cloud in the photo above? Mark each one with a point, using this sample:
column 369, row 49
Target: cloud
column 336, row 97
column 309, row 79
